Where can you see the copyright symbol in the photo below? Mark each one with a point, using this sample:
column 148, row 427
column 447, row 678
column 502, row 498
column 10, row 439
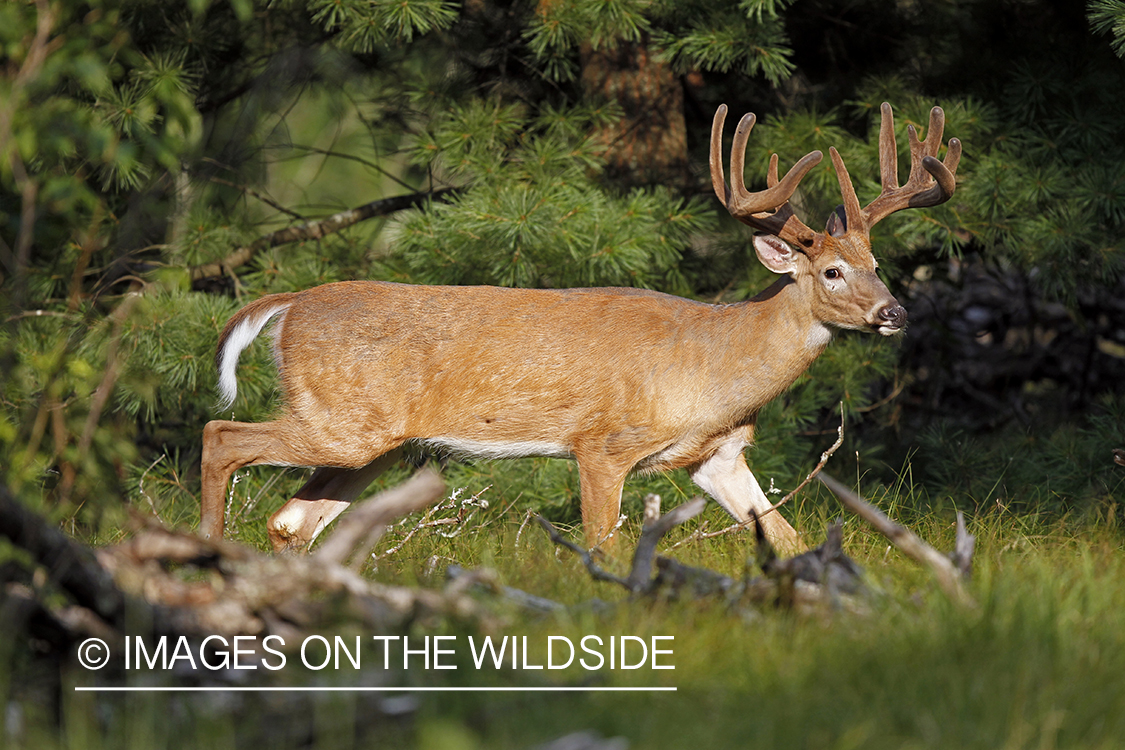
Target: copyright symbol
column 93, row 653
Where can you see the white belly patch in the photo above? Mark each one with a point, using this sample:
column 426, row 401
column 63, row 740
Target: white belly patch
column 496, row 449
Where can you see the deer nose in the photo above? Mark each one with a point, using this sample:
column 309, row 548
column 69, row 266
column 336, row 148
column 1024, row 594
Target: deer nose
column 892, row 317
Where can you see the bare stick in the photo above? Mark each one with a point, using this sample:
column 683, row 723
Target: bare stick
column 947, row 575
column 422, row 489
column 962, row 556
column 526, row 517
column 812, row 474
column 653, row 531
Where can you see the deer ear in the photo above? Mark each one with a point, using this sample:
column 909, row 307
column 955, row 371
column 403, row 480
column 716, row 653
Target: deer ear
column 837, row 223
column 775, row 254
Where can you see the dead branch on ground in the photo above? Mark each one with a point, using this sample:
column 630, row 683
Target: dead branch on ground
column 826, row 568
column 949, row 573
column 809, row 581
column 185, row 585
column 654, row 529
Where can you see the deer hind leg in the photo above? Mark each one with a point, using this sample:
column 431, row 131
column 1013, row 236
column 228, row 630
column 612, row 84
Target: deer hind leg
column 326, row 495
column 230, row 446
column 726, row 477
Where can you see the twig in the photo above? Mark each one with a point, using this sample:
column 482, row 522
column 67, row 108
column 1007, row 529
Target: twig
column 461, row 520
column 700, row 532
column 948, row 576
column 900, row 386
column 596, row 572
column 621, row 519
column 252, row 501
column 254, row 193
column 526, row 517
column 141, row 482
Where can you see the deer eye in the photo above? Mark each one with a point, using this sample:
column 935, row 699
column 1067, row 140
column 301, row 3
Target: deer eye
column 832, row 273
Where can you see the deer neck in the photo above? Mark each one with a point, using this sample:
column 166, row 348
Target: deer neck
column 778, row 338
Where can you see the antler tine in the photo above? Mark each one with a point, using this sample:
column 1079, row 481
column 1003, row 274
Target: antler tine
column 783, row 222
column 771, row 173
column 931, row 181
column 742, row 200
column 856, row 217
column 767, row 209
column 888, row 148
column 718, row 179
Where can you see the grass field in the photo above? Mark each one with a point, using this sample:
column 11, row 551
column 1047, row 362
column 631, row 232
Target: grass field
column 1039, row 663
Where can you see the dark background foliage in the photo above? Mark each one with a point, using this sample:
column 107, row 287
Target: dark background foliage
column 161, row 164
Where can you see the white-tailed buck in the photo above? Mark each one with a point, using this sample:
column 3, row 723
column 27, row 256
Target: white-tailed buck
column 621, row 380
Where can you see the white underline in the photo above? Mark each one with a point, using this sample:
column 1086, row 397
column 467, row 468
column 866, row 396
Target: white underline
column 156, row 689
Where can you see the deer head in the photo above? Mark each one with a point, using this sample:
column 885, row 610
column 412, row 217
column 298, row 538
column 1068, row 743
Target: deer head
column 835, row 268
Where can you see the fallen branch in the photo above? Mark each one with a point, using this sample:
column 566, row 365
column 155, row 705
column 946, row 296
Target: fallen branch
column 949, row 575
column 654, row 529
column 794, row 582
column 69, row 564
column 153, row 576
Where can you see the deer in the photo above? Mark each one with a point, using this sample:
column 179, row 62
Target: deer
column 620, row 380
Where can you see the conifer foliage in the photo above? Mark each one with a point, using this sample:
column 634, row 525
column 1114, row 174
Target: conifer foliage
column 147, row 148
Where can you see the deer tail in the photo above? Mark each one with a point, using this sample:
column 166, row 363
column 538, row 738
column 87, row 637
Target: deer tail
column 239, row 332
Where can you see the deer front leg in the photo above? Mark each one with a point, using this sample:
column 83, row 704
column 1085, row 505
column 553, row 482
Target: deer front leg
column 726, row 477
column 326, row 495
column 601, row 483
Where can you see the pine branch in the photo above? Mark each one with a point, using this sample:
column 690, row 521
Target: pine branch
column 315, row 230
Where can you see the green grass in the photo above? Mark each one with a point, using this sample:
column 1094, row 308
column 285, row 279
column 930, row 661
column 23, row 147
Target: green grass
column 1040, row 663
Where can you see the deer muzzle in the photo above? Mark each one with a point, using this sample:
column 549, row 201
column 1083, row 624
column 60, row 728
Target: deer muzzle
column 890, row 319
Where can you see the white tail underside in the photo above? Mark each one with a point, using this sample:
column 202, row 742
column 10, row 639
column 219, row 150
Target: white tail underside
column 240, row 338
